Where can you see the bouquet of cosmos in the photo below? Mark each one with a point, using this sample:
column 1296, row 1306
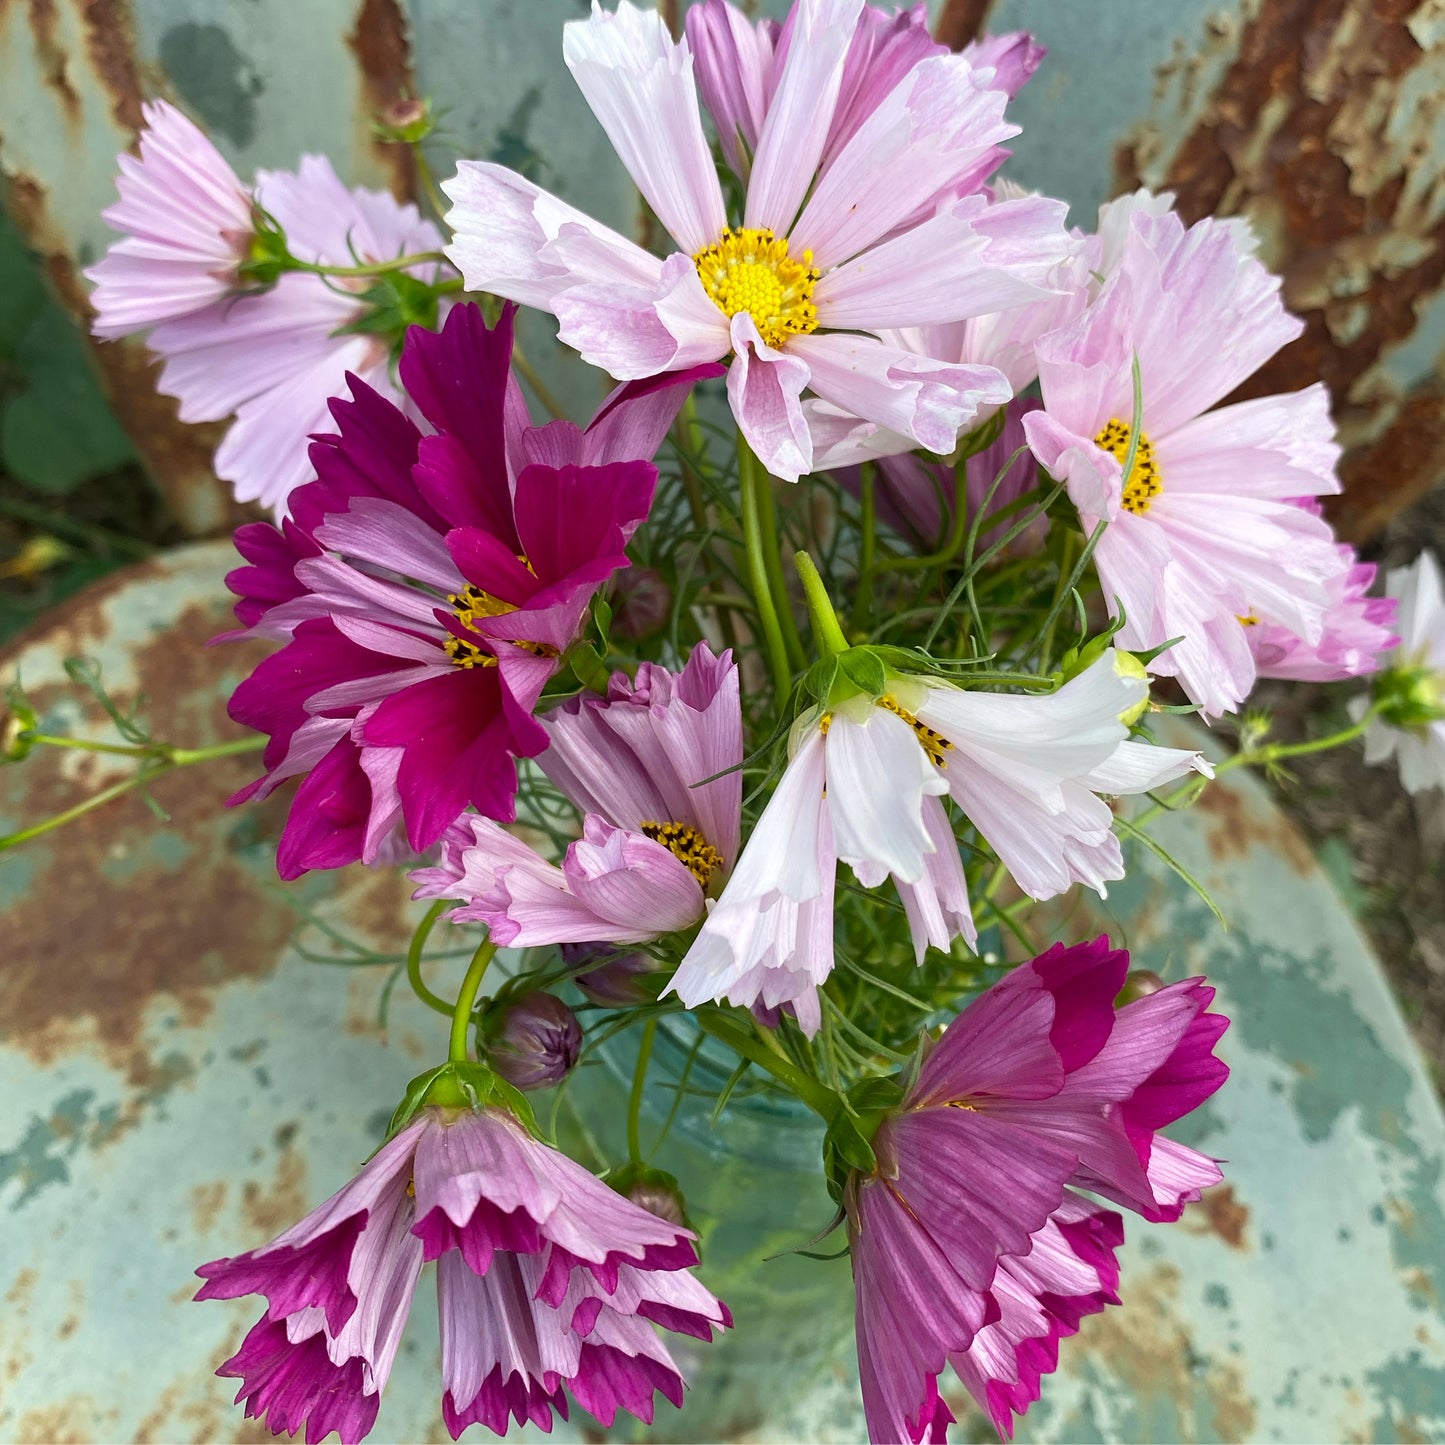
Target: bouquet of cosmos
column 759, row 710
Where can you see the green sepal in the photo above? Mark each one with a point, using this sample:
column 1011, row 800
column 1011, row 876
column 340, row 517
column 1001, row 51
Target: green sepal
column 819, row 679
column 1409, row 697
column 18, row 724
column 393, row 303
column 864, row 669
column 845, row 1149
column 628, row 1177
column 602, row 621
column 409, row 132
column 412, row 1100
column 268, row 257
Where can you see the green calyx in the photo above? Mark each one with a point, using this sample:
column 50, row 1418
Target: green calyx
column 1410, row 697
column 848, row 1144
column 268, row 256
column 405, row 122
column 461, row 1084
column 392, row 303
column 18, row 726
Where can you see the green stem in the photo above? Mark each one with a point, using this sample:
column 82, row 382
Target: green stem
column 634, row 1102
column 184, row 757
column 752, row 483
column 867, row 547
column 826, row 630
column 413, row 958
column 822, row 1100
column 373, row 268
column 1273, row 752
column 429, row 182
column 125, row 750
column 540, row 389
column 773, row 563
column 462, row 1013
column 10, row 840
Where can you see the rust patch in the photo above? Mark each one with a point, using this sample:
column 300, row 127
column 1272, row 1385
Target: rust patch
column 1232, row 828
column 270, row 1210
column 1321, row 131
column 1219, row 1211
column 52, row 59
column 95, row 940
column 207, row 1201
column 70, row 1423
column 110, row 41
column 1147, row 1346
column 22, row 1291
column 176, row 455
column 962, row 22
column 382, row 47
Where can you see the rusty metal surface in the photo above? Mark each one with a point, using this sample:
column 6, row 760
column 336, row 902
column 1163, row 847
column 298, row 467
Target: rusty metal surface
column 181, row 1083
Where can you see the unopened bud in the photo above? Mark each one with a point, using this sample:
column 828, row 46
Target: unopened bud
column 618, row 980
column 1127, row 665
column 38, row 555
column 641, row 603
column 17, row 722
column 406, row 121
column 654, row 1190
column 535, row 1042
column 1139, row 984
column 1410, row 698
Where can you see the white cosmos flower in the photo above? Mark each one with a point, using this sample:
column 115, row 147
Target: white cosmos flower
column 865, row 786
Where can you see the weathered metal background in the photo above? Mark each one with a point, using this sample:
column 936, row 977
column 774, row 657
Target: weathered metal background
column 1319, row 119
column 179, row 1082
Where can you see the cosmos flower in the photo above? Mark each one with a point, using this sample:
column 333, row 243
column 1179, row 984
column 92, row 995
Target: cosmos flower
column 1204, row 532
column 429, row 586
column 547, row 1281
column 826, row 252
column 273, row 358
column 1410, row 688
column 864, row 786
column 656, row 838
column 969, row 1247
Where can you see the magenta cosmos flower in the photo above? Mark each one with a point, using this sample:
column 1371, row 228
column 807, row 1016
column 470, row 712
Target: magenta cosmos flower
column 969, row 1247
column 427, row 587
column 1203, row 536
column 864, row 786
column 547, row 1280
column 824, row 255
column 657, row 839
column 274, row 358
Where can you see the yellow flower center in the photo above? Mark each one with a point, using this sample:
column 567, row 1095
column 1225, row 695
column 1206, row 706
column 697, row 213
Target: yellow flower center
column 471, row 603
column 688, row 846
column 750, row 270
column 933, row 743
column 1143, row 483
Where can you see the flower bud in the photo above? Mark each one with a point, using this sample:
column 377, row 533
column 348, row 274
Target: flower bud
column 619, row 980
column 405, row 121
column 1127, row 665
column 535, row 1042
column 1139, row 984
column 17, row 722
column 654, row 1190
column 1410, row 698
column 641, row 603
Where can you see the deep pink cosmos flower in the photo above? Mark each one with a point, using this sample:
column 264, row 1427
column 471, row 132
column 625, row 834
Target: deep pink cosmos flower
column 546, row 1280
column 831, row 246
column 657, row 840
column 272, row 358
column 1204, row 533
column 426, row 587
column 969, row 1248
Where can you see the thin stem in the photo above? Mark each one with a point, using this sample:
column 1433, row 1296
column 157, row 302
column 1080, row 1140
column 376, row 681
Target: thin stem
column 462, row 1013
column 125, row 750
column 1273, row 752
column 413, row 958
column 867, row 546
column 429, row 182
column 372, row 268
column 826, row 631
column 816, row 1096
column 751, row 483
column 773, row 564
column 953, row 538
column 634, row 1102
column 70, row 814
column 184, row 757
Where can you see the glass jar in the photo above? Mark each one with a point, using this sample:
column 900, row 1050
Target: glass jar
column 753, row 1184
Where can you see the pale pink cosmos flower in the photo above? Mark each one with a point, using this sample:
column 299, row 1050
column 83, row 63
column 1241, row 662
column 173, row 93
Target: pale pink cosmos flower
column 657, row 839
column 1417, row 670
column 547, row 1281
column 865, row 785
column 272, row 359
column 187, row 223
column 817, row 264
column 1357, row 628
column 1204, row 533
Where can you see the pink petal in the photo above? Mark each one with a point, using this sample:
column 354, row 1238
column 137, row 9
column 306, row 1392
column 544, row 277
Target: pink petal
column 764, row 387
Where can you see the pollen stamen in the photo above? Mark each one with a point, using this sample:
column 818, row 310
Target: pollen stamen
column 688, row 846
column 750, row 270
column 1143, row 483
column 933, row 743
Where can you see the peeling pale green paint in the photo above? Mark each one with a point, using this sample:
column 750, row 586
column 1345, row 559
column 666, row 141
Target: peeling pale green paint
column 213, row 78
column 39, row 1158
column 1412, row 1398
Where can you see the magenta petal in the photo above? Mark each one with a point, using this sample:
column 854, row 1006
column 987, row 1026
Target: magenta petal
column 1190, row 1074
column 488, row 562
column 608, row 1380
column 458, row 379
column 488, row 1230
column 326, row 827
column 459, row 750
column 631, row 423
column 293, row 1277
column 1085, row 979
column 501, row 1399
column 289, row 1385
column 570, row 518
column 271, row 576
